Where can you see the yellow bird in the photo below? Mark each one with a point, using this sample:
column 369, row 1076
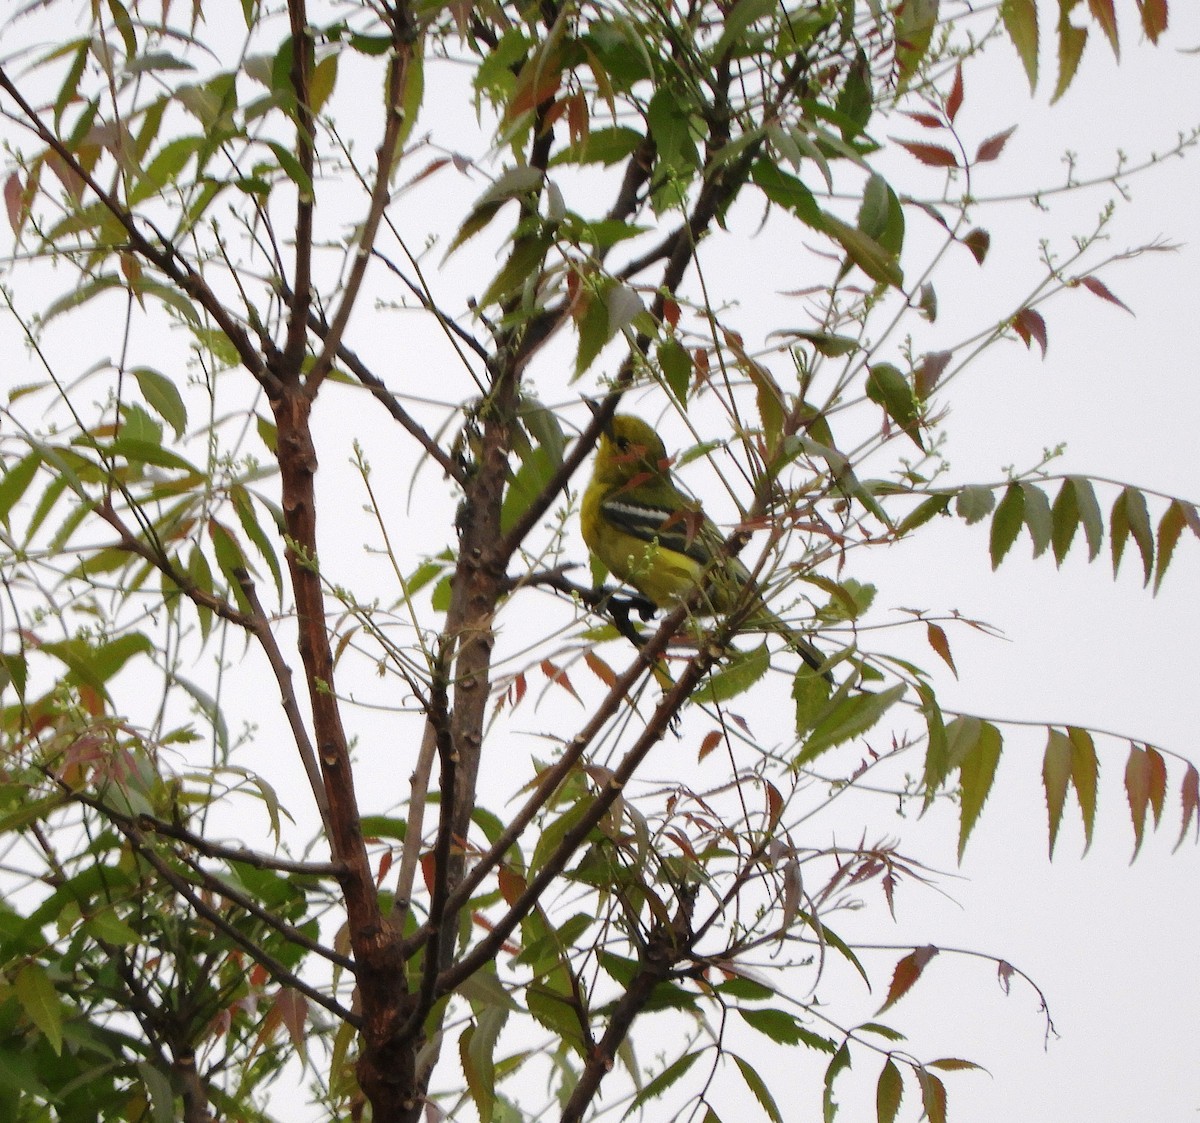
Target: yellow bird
column 650, row 535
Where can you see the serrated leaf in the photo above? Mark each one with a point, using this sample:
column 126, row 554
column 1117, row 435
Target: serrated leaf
column 933, row 1096
column 974, row 503
column 39, row 1001
column 1170, row 527
column 740, row 672
column 675, row 362
column 670, row 1075
column 14, row 482
column 1137, row 792
column 840, row 1062
column 936, row 635
column 1064, row 517
column 888, row 388
column 1089, row 514
column 888, row 1092
column 1071, row 42
column 1021, row 22
column 1106, row 16
column 1007, row 523
column 978, row 241
column 906, row 974
column 1097, row 286
column 848, row 718
column 977, row 772
column 1085, row 776
column 1130, row 516
column 1189, row 795
column 761, row 1092
column 162, row 396
column 931, row 155
column 1030, row 325
column 1056, row 778
column 991, row 148
column 1038, row 517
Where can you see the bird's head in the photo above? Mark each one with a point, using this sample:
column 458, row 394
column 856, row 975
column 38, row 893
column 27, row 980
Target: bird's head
column 628, row 448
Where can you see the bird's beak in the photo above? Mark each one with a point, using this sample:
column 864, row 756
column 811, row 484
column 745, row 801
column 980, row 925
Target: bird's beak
column 595, row 407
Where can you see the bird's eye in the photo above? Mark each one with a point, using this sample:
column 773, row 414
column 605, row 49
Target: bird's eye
column 623, row 444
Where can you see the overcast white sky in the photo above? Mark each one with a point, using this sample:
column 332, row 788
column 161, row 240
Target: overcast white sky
column 1114, row 947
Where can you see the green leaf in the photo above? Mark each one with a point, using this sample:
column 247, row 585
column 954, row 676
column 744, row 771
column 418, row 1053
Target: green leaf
column 778, row 1025
column 1130, row 517
column 1064, row 518
column 162, row 396
column 869, row 255
column 1007, row 522
column 974, row 503
column 35, row 992
column 915, row 21
column 840, row 1062
column 887, row 387
column 1038, row 518
column 672, row 1073
column 888, row 1092
column 1071, row 42
column 761, row 1092
column 1170, row 527
column 602, row 146
column 1089, row 514
column 14, row 482
column 740, row 672
column 924, row 511
column 976, row 773
column 1085, row 775
column 676, row 363
column 737, row 22
column 1021, row 22
column 1056, row 777
column 847, row 719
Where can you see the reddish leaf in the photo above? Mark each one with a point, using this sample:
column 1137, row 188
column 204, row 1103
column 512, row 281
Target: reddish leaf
column 940, row 644
column 1154, row 18
column 293, row 1008
column 12, row 201
column 512, row 884
column 1158, row 782
column 1056, row 778
column 934, row 155
column 1029, row 325
column 978, row 241
column 711, row 740
column 1104, row 14
column 385, row 864
column 928, row 371
column 926, row 120
column 933, row 1096
column 991, row 148
column 600, row 668
column 1097, row 286
column 955, row 100
column 559, row 677
column 775, row 803
column 1189, row 793
column 1170, row 527
column 907, row 972
column 670, row 312
column 1137, row 791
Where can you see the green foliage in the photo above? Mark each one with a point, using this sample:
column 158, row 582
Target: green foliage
column 259, row 243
